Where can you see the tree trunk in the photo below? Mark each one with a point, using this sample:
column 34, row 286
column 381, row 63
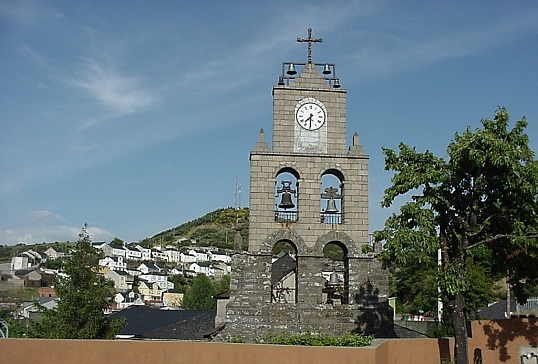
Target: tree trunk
column 459, row 323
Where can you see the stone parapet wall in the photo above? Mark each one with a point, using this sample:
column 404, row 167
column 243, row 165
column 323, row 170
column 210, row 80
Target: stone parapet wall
column 251, row 315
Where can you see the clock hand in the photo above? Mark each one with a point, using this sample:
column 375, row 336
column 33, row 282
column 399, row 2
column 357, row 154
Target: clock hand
column 309, row 121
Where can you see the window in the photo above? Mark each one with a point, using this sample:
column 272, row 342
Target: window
column 284, row 273
column 336, row 274
column 286, row 195
column 332, row 197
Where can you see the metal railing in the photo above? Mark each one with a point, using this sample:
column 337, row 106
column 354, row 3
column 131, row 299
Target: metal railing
column 331, row 218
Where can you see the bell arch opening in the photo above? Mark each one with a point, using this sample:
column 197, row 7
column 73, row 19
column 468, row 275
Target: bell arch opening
column 332, row 197
column 286, row 195
column 284, row 272
column 336, row 273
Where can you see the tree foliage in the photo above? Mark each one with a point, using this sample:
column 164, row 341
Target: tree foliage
column 200, row 295
column 15, row 328
column 315, row 339
column 83, row 297
column 482, row 196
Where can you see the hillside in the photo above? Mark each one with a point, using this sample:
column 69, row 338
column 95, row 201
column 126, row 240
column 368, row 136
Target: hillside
column 215, row 228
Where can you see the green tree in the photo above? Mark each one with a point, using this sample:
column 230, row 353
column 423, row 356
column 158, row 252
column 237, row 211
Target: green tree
column 83, row 297
column 223, row 285
column 200, row 295
column 181, row 283
column 117, row 241
column 15, row 328
column 483, row 195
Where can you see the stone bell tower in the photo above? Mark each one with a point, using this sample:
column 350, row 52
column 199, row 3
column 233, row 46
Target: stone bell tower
column 309, row 266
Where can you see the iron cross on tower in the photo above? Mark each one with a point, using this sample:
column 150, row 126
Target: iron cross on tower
column 310, row 40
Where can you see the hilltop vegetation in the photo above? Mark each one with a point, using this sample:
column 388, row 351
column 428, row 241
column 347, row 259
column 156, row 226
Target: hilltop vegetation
column 9, row 251
column 215, row 228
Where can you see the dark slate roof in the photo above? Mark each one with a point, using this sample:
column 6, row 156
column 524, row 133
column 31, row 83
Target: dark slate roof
column 23, row 272
column 152, row 323
column 497, row 310
column 120, row 272
column 197, row 325
column 405, row 333
column 281, row 267
column 222, row 296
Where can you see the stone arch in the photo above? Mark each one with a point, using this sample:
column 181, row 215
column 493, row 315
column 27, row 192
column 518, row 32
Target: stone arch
column 287, row 169
column 336, row 236
column 284, row 266
column 334, row 171
column 283, row 234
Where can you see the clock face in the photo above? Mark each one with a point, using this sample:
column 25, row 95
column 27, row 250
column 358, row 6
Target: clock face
column 310, row 115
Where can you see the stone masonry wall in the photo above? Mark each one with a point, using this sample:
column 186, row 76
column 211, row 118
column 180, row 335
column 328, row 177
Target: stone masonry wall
column 251, row 315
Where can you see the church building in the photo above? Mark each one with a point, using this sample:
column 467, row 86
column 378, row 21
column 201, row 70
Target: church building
column 309, row 265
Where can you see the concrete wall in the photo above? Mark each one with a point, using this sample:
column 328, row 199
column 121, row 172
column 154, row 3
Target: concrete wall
column 497, row 341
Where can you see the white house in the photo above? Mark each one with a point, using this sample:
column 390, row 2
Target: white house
column 124, row 300
column 114, row 263
column 159, row 278
column 219, row 256
column 204, row 268
column 133, row 254
column 157, row 254
column 187, row 258
column 146, row 252
column 173, row 255
column 146, row 268
column 21, row 262
column 118, row 250
column 201, row 256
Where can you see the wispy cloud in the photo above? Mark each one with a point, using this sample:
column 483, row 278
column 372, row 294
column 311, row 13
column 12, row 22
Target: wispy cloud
column 26, row 12
column 43, row 215
column 39, row 234
column 119, row 93
column 384, row 54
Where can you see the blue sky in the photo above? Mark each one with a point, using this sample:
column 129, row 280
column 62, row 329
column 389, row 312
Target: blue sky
column 138, row 116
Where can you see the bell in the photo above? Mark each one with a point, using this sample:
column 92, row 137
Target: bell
column 331, row 207
column 334, row 281
column 291, row 70
column 336, row 83
column 281, row 81
column 286, row 202
column 326, row 69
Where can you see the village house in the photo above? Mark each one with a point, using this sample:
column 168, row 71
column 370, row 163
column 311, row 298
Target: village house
column 152, row 292
column 123, row 300
column 172, row 255
column 54, row 252
column 202, row 268
column 114, row 263
column 201, row 256
column 219, row 256
column 146, row 268
column 123, row 281
column 146, row 252
column 133, row 254
column 159, row 278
